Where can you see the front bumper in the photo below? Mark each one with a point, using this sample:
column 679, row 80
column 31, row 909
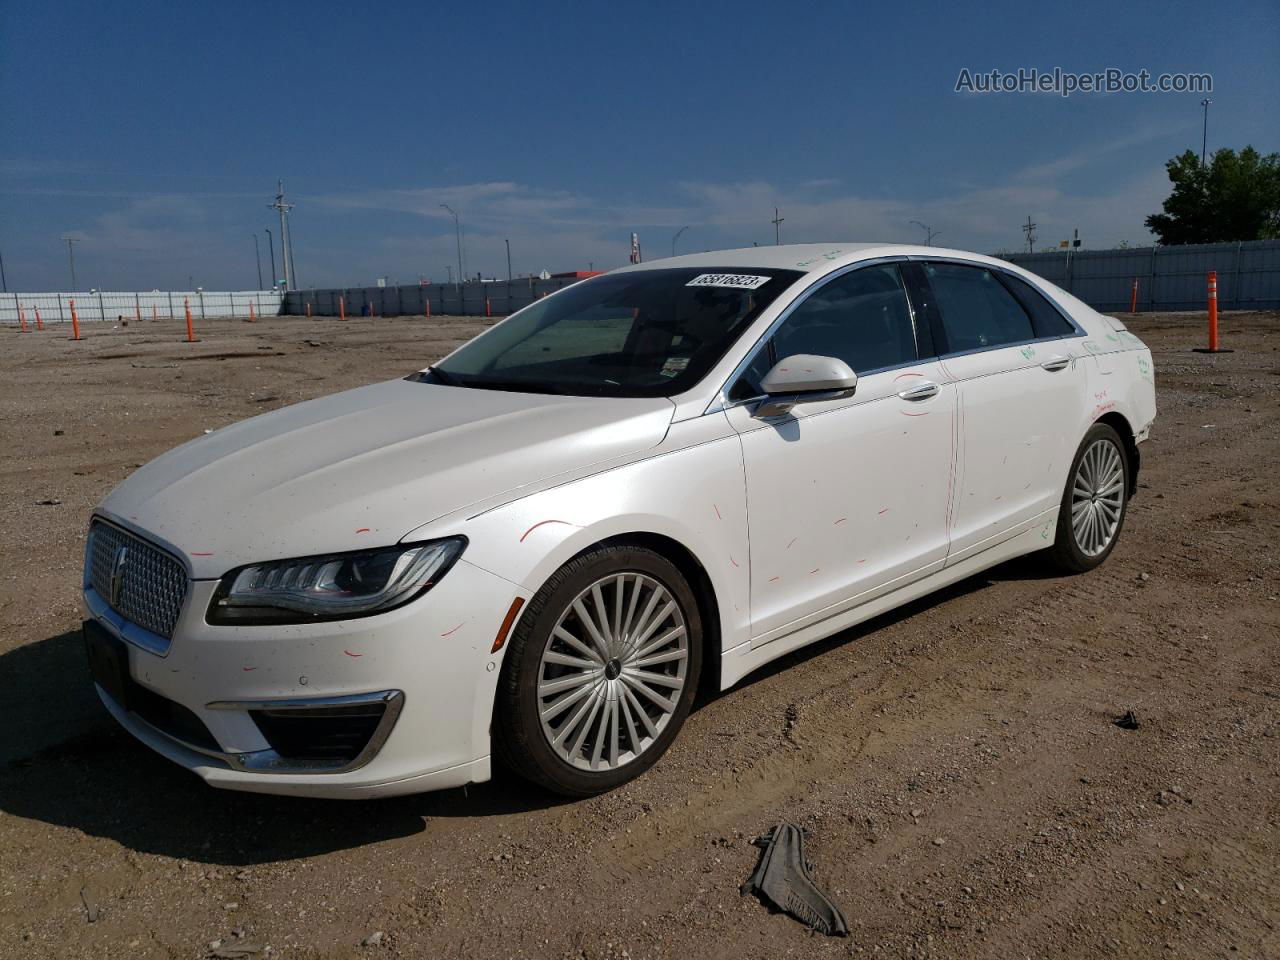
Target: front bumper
column 423, row 676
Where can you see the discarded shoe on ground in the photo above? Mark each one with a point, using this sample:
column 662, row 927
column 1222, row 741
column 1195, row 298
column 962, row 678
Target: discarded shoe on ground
column 782, row 879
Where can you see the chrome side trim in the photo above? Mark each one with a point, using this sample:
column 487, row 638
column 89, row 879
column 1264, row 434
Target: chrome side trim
column 268, row 761
column 123, row 629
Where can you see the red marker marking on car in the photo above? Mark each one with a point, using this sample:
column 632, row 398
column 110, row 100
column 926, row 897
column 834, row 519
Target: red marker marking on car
column 814, row 570
column 717, row 510
column 901, row 375
column 922, row 413
column 363, row 530
column 774, row 579
column 733, row 561
column 882, row 512
column 248, row 669
column 541, row 523
column 454, row 630
column 350, row 654
column 202, row 554
column 793, row 540
column 840, row 521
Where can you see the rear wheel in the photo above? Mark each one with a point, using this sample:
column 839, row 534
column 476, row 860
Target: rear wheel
column 1094, row 503
column 601, row 671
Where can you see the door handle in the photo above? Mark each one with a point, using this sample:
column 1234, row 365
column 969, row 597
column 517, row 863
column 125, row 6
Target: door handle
column 1054, row 364
column 921, row 391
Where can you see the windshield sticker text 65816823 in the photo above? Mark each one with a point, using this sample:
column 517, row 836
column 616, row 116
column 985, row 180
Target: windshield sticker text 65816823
column 739, row 281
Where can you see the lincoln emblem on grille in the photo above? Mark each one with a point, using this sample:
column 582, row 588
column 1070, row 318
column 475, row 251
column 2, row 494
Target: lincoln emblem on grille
column 117, row 574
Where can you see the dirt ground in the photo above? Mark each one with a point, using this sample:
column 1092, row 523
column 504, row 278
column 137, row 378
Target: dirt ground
column 966, row 792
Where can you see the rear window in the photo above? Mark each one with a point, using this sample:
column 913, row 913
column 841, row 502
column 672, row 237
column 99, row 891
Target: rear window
column 1045, row 318
column 978, row 311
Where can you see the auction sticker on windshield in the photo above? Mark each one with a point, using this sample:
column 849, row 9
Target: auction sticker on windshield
column 739, row 281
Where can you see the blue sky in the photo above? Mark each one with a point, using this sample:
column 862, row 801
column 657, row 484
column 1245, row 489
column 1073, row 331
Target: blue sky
column 156, row 131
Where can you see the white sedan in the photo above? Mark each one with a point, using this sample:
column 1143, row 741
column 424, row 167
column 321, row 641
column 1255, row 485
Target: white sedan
column 537, row 549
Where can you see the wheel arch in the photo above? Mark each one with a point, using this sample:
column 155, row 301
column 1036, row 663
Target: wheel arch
column 1118, row 422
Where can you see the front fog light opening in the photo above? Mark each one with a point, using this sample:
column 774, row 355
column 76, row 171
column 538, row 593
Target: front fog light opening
column 332, row 587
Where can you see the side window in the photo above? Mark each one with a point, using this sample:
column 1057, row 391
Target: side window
column 977, row 311
column 1048, row 322
column 860, row 317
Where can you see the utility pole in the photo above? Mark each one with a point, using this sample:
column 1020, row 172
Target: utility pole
column 929, row 232
column 271, row 246
column 71, row 256
column 293, row 268
column 257, row 255
column 449, row 270
column 777, row 227
column 283, row 209
column 508, row 243
column 1029, row 229
column 3, row 282
column 457, row 227
column 1204, row 137
column 677, row 237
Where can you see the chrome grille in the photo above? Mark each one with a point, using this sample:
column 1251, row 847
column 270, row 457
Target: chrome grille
column 153, row 584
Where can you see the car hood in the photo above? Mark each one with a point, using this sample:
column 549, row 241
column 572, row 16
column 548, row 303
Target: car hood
column 365, row 467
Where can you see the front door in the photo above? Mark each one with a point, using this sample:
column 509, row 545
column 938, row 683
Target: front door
column 846, row 499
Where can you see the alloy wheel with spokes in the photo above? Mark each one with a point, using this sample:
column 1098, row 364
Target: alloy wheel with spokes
column 600, row 671
column 1097, row 497
column 612, row 671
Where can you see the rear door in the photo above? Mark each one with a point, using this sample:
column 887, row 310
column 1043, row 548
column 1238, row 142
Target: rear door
column 1014, row 361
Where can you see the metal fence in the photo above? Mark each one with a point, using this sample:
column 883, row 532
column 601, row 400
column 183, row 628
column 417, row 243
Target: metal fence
column 103, row 305
column 1169, row 278
column 468, row 299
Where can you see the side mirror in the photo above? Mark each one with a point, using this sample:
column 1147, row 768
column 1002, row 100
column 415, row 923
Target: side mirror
column 804, row 378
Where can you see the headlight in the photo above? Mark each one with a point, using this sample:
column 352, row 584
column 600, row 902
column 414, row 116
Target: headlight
column 334, row 587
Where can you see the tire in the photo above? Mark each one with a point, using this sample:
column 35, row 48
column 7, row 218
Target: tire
column 1099, row 464
column 610, row 743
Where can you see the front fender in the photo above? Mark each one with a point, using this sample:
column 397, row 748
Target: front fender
column 692, row 492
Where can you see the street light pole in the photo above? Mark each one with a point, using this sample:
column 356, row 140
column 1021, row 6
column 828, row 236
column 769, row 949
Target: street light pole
column 283, row 209
column 1204, row 138
column 677, row 237
column 257, row 256
column 457, row 226
column 508, row 243
column 4, row 284
column 71, row 256
column 929, row 232
column 271, row 246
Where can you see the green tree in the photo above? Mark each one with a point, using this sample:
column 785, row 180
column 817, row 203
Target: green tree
column 1235, row 197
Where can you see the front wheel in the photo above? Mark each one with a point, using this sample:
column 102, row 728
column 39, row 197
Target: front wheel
column 601, row 671
column 1094, row 503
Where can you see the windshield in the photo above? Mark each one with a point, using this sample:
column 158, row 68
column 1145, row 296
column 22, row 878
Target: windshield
column 648, row 333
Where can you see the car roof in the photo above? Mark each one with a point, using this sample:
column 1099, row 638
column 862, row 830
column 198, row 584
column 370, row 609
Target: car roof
column 806, row 257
